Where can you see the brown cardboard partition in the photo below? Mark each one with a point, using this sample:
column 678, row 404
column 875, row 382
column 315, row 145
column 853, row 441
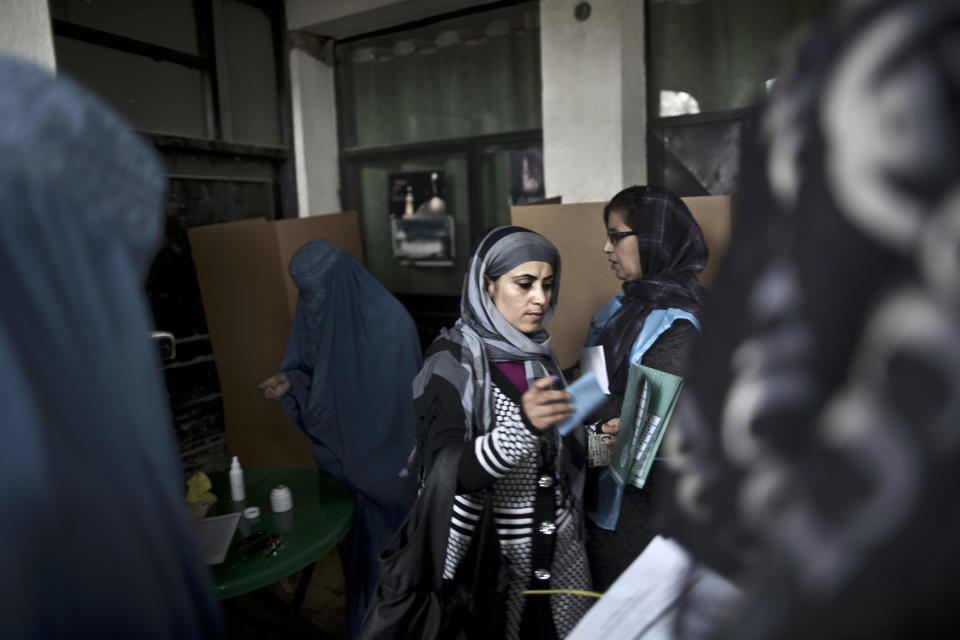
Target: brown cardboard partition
column 249, row 300
column 586, row 278
column 586, row 281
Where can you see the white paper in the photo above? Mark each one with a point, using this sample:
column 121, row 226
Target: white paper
column 592, row 359
column 642, row 603
column 215, row 534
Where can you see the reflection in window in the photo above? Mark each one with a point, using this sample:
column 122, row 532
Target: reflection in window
column 677, row 103
column 372, row 180
column 710, row 62
column 721, row 51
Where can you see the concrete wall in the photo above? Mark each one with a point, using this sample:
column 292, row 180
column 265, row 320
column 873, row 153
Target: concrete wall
column 25, row 31
column 314, row 134
column 594, row 98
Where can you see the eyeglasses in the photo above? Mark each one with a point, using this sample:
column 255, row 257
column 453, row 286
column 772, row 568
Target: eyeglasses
column 616, row 236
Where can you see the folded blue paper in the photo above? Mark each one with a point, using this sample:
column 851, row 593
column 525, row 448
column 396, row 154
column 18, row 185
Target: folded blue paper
column 587, row 396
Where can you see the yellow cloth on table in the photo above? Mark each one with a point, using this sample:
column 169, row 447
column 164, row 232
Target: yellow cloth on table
column 199, row 496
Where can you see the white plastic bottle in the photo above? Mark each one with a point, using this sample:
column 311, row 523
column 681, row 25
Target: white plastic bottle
column 236, row 481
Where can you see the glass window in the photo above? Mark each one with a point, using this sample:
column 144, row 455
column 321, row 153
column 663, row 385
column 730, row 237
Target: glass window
column 253, row 99
column 153, row 96
column 467, row 76
column 168, row 23
column 466, row 92
column 696, row 159
column 500, row 188
column 715, row 55
column 709, row 61
column 372, row 181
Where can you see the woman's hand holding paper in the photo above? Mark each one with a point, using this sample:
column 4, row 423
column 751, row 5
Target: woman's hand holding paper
column 544, row 406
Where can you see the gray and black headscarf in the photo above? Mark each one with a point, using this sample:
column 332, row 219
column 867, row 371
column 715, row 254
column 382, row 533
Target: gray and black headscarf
column 500, row 251
column 483, row 335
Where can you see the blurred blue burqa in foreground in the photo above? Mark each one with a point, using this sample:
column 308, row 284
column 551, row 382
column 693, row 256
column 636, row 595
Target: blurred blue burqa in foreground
column 96, row 541
column 351, row 358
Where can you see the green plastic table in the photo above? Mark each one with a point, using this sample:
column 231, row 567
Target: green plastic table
column 321, row 516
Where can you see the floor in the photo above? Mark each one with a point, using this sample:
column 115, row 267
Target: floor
column 262, row 613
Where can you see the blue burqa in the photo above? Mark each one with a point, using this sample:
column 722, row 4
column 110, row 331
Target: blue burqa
column 96, row 541
column 351, row 358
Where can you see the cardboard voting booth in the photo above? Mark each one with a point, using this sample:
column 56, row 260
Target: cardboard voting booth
column 249, row 300
column 586, row 281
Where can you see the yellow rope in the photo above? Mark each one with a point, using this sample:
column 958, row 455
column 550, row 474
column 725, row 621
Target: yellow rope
column 575, row 592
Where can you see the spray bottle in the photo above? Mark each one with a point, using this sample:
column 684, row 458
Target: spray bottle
column 236, row 481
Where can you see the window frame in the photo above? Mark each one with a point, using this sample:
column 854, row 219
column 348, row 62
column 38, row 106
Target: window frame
column 472, row 146
column 209, row 21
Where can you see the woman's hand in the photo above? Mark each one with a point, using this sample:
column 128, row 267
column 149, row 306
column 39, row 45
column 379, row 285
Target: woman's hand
column 545, row 407
column 611, row 426
column 274, row 387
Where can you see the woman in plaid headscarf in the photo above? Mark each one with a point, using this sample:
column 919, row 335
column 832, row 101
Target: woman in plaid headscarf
column 656, row 247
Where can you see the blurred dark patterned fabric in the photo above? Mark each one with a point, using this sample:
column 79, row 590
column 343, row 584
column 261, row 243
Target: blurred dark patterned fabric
column 818, row 440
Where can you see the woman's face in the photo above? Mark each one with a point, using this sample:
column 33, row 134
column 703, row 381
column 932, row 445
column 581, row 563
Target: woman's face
column 623, row 253
column 523, row 294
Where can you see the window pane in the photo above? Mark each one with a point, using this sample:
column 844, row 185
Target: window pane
column 696, row 159
column 718, row 52
column 499, row 180
column 153, row 96
column 466, row 76
column 251, row 73
column 374, row 209
column 168, row 23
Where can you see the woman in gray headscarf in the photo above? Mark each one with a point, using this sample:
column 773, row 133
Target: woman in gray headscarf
column 490, row 382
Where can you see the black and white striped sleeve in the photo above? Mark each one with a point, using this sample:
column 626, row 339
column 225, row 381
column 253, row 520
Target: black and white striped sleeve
column 485, row 459
column 493, row 455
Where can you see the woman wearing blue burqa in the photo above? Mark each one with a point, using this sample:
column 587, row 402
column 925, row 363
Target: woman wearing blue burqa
column 345, row 382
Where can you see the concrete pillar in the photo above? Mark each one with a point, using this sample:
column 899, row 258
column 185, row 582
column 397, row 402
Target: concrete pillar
column 594, row 98
column 316, row 151
column 25, row 31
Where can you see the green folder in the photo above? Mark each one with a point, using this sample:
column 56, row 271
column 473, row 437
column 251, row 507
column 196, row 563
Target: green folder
column 647, row 406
